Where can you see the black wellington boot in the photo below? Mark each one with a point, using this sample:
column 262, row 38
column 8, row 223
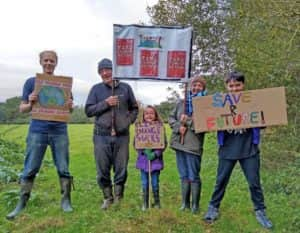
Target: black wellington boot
column 119, row 193
column 65, row 186
column 26, row 187
column 108, row 197
column 145, row 205
column 185, row 195
column 196, row 191
column 156, row 199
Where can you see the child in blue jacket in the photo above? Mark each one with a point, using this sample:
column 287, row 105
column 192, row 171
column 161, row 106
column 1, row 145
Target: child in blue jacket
column 241, row 146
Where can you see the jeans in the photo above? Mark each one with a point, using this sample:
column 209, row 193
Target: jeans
column 36, row 147
column 188, row 166
column 154, row 180
column 250, row 167
column 111, row 152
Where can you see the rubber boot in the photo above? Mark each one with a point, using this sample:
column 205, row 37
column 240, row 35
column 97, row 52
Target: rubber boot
column 26, row 187
column 145, row 205
column 65, row 186
column 108, row 197
column 156, row 199
column 196, row 191
column 119, row 193
column 185, row 195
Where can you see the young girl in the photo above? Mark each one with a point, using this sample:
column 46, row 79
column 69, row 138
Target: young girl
column 156, row 162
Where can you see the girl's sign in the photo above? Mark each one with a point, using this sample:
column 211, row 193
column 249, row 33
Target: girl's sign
column 53, row 94
column 246, row 109
column 151, row 52
column 149, row 135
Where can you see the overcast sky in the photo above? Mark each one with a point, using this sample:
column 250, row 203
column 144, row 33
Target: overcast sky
column 80, row 31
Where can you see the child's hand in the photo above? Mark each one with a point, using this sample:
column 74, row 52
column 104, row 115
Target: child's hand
column 150, row 154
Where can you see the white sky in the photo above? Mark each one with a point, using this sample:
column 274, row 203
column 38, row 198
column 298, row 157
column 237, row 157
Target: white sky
column 80, row 31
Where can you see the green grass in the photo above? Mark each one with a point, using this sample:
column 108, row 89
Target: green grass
column 43, row 212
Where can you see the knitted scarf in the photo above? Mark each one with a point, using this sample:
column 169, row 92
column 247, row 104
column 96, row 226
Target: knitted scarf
column 188, row 101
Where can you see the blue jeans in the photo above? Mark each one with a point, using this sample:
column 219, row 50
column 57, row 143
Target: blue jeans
column 36, row 147
column 154, row 180
column 250, row 167
column 188, row 166
column 111, row 153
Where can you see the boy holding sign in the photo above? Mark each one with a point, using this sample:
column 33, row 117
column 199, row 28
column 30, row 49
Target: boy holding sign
column 150, row 160
column 240, row 145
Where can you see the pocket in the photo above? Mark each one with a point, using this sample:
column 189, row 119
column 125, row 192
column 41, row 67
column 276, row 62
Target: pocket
column 122, row 123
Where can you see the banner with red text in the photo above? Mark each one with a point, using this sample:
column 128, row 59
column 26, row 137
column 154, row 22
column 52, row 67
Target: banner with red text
column 247, row 109
column 53, row 94
column 151, row 52
column 149, row 135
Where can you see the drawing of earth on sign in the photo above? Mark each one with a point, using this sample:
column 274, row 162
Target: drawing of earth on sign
column 50, row 96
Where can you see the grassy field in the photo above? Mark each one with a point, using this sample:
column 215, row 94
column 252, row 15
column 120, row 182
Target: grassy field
column 43, row 212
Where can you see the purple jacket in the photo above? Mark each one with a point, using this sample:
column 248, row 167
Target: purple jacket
column 142, row 162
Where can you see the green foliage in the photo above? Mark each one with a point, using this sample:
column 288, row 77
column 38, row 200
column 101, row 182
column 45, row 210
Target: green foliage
column 210, row 53
column 264, row 40
column 11, row 158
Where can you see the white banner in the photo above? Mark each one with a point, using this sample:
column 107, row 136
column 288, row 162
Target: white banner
column 151, row 52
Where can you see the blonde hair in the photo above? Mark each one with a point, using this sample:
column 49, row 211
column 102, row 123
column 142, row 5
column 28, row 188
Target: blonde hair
column 48, row 51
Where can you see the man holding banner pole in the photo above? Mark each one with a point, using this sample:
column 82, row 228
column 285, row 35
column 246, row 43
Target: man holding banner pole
column 114, row 107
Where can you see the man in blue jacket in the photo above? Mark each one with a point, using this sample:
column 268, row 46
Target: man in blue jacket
column 114, row 107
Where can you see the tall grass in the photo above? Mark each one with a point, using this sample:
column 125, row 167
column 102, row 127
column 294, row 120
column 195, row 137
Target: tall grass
column 43, row 212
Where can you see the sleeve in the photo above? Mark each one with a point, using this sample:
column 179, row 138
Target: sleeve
column 173, row 121
column 27, row 89
column 93, row 106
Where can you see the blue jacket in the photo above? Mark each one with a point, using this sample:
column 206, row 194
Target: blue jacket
column 255, row 136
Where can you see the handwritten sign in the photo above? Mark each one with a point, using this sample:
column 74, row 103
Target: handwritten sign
column 246, row 109
column 53, row 94
column 149, row 135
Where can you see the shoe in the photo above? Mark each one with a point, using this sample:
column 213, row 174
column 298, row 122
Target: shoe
column 263, row 219
column 212, row 214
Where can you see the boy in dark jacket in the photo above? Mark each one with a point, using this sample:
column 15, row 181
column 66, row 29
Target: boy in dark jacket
column 240, row 145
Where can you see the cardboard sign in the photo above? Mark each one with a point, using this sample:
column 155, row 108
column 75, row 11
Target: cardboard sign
column 53, row 94
column 149, row 135
column 151, row 52
column 246, row 109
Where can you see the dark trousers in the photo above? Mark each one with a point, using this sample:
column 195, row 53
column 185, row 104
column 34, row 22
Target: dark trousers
column 111, row 152
column 250, row 167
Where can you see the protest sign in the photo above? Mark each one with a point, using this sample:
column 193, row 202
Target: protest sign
column 53, row 94
column 149, row 135
column 245, row 109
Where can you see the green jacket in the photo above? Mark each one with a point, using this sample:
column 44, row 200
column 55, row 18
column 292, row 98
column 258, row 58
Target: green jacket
column 193, row 142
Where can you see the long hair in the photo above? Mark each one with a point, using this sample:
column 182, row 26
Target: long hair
column 157, row 116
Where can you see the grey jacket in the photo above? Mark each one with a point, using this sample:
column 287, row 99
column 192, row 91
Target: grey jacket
column 125, row 113
column 193, row 143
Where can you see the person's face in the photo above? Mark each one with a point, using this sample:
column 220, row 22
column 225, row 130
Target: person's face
column 196, row 87
column 106, row 75
column 48, row 62
column 235, row 86
column 149, row 115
